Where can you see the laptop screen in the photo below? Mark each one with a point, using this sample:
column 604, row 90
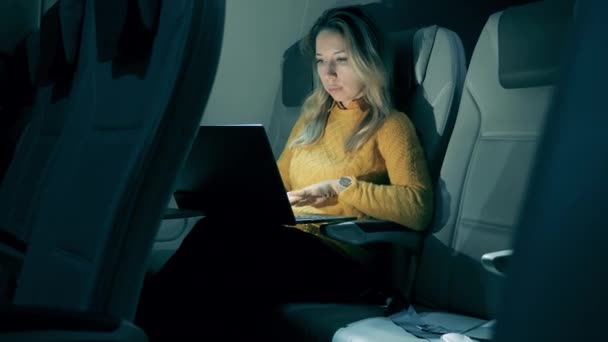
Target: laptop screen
column 231, row 171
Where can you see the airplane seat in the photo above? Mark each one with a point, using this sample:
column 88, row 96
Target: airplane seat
column 48, row 69
column 483, row 178
column 427, row 66
column 508, row 88
column 121, row 131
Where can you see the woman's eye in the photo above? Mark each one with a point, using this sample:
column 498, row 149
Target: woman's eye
column 319, row 61
column 341, row 59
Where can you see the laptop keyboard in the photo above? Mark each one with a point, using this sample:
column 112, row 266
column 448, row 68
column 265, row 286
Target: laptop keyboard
column 319, row 218
column 312, row 216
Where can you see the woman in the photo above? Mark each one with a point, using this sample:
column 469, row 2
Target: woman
column 349, row 153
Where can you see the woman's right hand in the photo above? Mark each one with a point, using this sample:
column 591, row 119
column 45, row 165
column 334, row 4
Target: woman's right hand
column 317, row 195
column 294, row 198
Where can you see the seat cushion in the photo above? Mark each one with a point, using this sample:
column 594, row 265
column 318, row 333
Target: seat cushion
column 349, row 322
column 319, row 321
column 389, row 329
column 374, row 329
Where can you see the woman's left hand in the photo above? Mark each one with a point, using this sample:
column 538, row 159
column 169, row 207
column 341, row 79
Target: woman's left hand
column 317, row 195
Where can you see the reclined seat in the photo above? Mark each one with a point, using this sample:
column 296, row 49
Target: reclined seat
column 483, row 179
column 110, row 172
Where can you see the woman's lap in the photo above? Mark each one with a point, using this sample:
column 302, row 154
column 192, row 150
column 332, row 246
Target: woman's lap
column 222, row 267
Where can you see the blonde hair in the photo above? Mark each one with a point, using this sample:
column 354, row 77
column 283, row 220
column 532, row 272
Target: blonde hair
column 365, row 48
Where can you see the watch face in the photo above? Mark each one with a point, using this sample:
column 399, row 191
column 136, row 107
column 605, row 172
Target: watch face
column 344, row 181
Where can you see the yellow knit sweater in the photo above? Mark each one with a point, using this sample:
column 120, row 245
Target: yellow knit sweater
column 391, row 178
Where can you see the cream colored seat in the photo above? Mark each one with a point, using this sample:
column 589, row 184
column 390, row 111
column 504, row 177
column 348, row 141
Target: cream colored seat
column 485, row 173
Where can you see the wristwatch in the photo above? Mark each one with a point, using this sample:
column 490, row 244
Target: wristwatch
column 345, row 182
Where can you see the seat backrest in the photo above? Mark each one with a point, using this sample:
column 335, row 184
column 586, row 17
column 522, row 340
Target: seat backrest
column 427, row 68
column 135, row 100
column 34, row 152
column 486, row 168
column 428, row 71
column 558, row 270
column 17, row 20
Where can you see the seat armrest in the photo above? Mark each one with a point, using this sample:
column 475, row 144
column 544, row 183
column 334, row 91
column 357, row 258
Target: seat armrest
column 26, row 318
column 399, row 265
column 20, row 323
column 174, row 213
column 374, row 231
column 496, row 262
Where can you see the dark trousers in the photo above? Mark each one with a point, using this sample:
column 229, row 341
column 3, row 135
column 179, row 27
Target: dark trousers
column 229, row 279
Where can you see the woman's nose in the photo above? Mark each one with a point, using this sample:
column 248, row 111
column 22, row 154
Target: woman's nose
column 331, row 69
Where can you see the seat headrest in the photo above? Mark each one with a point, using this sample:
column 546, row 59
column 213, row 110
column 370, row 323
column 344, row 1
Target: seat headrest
column 125, row 28
column 297, row 80
column 530, row 43
column 71, row 13
column 409, row 54
column 423, row 42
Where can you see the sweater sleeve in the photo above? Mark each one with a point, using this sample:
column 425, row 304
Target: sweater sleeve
column 408, row 200
column 284, row 161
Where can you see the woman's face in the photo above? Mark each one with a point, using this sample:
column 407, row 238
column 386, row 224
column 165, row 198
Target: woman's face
column 335, row 67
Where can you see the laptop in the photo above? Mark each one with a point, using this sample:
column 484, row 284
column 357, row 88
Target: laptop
column 231, row 171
